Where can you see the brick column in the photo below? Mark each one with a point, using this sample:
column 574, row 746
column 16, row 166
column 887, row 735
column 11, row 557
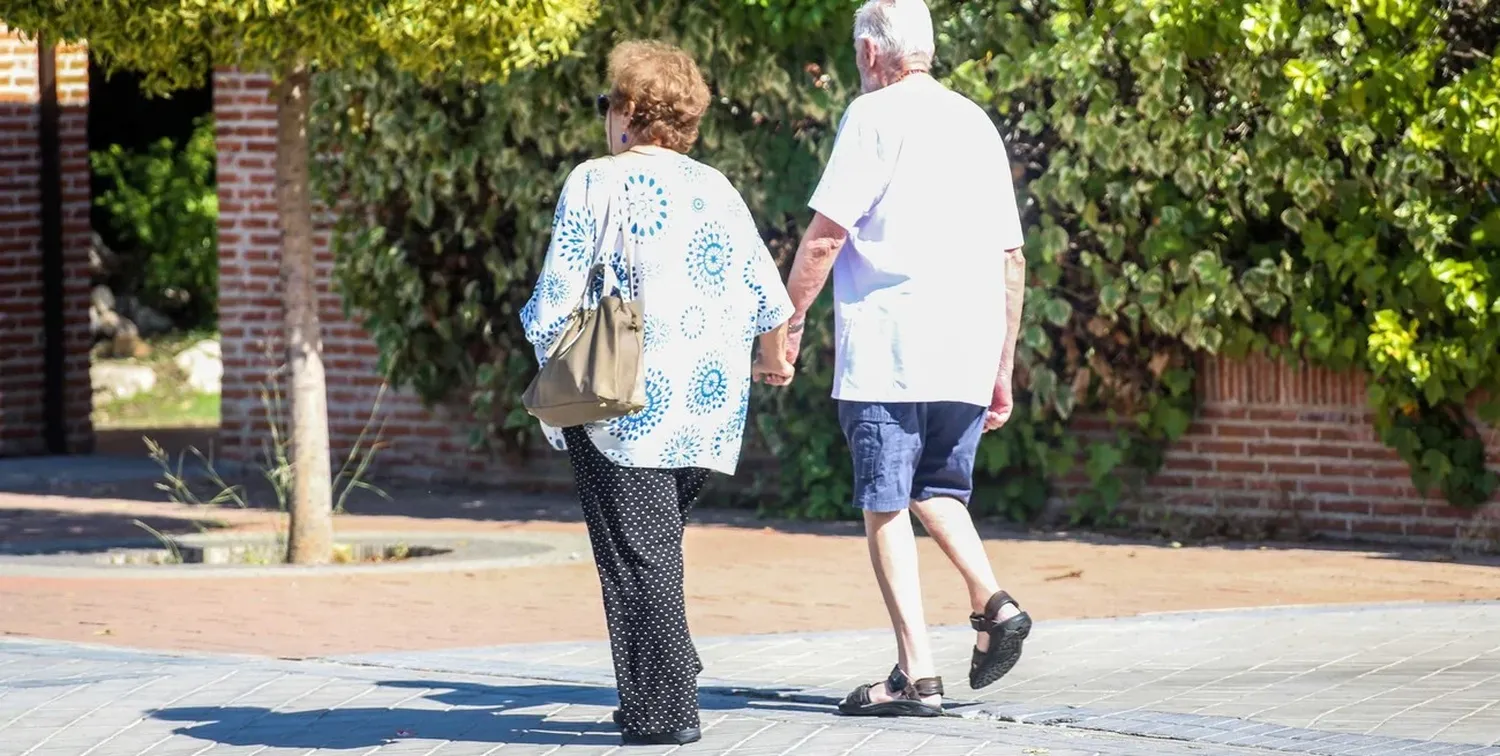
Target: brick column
column 422, row 443
column 22, row 332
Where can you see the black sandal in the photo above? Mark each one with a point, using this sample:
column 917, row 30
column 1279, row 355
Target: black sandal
column 1005, row 641
column 906, row 704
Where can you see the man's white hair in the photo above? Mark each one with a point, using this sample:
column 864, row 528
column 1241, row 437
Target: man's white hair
column 900, row 29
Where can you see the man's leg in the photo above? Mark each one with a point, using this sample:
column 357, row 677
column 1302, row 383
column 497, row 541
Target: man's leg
column 893, row 554
column 885, row 441
column 942, row 486
column 948, row 522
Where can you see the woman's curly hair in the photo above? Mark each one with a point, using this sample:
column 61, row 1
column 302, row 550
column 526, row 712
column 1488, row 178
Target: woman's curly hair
column 661, row 89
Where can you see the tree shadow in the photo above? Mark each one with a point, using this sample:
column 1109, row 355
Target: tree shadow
column 500, row 714
column 28, row 531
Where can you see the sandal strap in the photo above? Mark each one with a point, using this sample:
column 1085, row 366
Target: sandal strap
column 861, row 696
column 927, row 686
column 901, row 685
column 898, row 681
column 991, row 618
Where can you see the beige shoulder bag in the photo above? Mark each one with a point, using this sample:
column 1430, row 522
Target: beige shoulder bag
column 594, row 369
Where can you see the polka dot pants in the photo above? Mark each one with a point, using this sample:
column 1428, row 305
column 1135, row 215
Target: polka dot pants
column 635, row 518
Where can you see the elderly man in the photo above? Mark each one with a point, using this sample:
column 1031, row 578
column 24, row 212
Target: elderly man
column 916, row 217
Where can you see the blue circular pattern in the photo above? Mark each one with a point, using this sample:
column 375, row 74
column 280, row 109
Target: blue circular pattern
column 647, row 203
column 554, row 289
column 709, row 389
column 733, row 431
column 658, row 332
column 684, row 449
column 694, row 319
column 708, row 258
column 635, row 426
column 699, row 204
column 574, row 234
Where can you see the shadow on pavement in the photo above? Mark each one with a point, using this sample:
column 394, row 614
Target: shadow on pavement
column 39, row 531
column 508, row 714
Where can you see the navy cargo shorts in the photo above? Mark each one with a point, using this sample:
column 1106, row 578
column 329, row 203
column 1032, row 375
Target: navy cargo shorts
column 916, row 451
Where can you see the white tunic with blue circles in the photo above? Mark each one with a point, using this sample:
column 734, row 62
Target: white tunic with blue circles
column 708, row 287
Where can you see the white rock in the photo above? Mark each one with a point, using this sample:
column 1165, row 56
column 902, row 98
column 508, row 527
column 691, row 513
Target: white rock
column 103, row 298
column 203, row 366
column 120, row 380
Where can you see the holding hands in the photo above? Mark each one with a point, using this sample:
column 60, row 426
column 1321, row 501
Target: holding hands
column 775, row 364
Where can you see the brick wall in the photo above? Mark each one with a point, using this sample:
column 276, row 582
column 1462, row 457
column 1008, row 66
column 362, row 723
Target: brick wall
column 21, row 331
column 423, row 443
column 1297, row 444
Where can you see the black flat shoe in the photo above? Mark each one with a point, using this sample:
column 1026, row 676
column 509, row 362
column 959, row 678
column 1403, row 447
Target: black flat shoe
column 679, row 738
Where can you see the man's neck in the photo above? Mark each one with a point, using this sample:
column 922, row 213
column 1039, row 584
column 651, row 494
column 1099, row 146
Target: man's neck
column 902, row 73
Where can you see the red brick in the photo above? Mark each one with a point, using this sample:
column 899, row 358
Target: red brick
column 1272, row 450
column 1243, row 466
column 1286, row 467
column 1208, row 446
column 1327, row 451
column 1344, row 507
column 1325, row 487
column 1229, row 430
column 1389, row 491
column 1293, row 431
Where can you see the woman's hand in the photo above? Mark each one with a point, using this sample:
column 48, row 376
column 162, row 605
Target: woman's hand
column 772, row 368
column 772, row 364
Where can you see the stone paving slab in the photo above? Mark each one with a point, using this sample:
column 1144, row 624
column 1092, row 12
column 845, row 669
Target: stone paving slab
column 1418, row 678
column 72, row 700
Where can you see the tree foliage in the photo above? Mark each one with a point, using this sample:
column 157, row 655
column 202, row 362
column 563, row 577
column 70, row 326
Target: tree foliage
column 1312, row 179
column 175, row 43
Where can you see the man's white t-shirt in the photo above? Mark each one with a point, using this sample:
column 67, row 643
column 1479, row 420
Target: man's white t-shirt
column 920, row 179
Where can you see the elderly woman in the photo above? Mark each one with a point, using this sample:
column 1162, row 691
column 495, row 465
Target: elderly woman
column 679, row 240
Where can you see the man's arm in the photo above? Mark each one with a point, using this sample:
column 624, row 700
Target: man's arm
column 1002, row 403
column 815, row 257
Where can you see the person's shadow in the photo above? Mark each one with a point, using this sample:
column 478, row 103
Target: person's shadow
column 515, row 714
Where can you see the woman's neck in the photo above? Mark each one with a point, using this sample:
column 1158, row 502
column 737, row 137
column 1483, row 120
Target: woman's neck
column 647, row 149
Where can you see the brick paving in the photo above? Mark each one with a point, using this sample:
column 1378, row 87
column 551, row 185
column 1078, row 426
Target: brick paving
column 1422, row 674
column 71, row 700
column 1362, row 681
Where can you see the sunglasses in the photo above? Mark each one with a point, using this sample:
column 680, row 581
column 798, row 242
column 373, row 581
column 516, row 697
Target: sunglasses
column 601, row 104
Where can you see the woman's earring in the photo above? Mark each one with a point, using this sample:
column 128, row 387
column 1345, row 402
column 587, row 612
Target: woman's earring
column 624, row 138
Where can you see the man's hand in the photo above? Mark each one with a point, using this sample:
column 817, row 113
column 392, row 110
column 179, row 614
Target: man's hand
column 772, row 369
column 1002, row 403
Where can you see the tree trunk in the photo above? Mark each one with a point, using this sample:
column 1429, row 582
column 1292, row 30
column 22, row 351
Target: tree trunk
column 311, row 538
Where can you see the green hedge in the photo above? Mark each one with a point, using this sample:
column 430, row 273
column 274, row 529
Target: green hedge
column 1196, row 177
column 164, row 208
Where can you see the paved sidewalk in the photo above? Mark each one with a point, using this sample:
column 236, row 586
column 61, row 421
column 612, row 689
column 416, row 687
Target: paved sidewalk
column 72, row 700
column 1372, row 681
column 1319, row 680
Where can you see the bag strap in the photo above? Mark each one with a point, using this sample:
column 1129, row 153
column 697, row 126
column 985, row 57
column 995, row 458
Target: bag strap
column 611, row 234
